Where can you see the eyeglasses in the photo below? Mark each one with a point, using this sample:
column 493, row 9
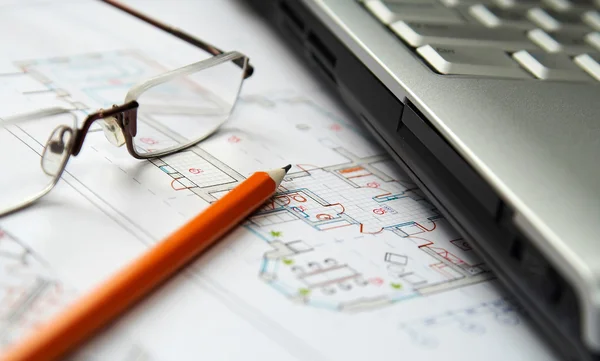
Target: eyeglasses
column 184, row 106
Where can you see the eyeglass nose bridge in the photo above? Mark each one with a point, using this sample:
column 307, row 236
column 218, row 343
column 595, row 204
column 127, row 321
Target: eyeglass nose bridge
column 113, row 131
column 117, row 123
column 57, row 150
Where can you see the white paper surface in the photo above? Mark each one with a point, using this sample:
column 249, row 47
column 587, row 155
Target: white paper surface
column 347, row 262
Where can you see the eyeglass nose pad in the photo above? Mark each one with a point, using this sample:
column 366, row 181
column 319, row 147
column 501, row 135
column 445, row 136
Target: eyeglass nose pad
column 57, row 150
column 113, row 131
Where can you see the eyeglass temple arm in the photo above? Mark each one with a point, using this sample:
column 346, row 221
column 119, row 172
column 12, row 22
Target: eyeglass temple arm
column 179, row 34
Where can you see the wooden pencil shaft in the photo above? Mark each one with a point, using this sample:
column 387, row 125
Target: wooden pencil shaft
column 137, row 279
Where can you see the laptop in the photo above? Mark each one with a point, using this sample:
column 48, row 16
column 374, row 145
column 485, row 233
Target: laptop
column 493, row 108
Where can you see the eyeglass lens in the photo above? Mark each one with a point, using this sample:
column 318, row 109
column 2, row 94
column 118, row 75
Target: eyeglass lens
column 186, row 109
column 26, row 174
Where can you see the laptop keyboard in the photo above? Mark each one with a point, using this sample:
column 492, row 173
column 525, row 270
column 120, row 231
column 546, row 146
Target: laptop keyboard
column 555, row 40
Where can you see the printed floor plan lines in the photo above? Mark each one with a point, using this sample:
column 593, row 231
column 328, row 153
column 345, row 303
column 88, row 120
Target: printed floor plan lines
column 502, row 312
column 29, row 293
column 361, row 210
column 395, row 245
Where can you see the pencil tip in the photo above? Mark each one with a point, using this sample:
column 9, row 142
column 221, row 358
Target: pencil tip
column 287, row 167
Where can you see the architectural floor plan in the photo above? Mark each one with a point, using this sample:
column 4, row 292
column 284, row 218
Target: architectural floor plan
column 29, row 293
column 377, row 239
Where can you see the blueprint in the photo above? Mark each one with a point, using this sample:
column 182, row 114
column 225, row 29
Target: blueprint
column 348, row 261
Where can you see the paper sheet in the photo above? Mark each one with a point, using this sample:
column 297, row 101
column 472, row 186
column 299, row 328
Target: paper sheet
column 349, row 261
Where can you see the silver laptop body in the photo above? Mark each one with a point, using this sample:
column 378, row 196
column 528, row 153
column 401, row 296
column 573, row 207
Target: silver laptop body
column 502, row 131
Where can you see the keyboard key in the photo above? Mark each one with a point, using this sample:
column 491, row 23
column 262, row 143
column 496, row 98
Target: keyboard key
column 464, row 12
column 558, row 4
column 519, row 4
column 409, row 1
column 564, row 5
column 419, row 34
column 590, row 64
column 453, row 3
column 593, row 39
column 553, row 20
column 592, row 19
column 568, row 42
column 492, row 16
column 582, row 3
column 550, row 66
column 471, row 61
column 389, row 12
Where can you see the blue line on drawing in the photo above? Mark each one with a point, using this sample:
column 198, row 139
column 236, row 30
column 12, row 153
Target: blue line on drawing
column 263, row 265
column 165, row 169
column 322, row 305
column 298, row 210
column 404, row 297
column 256, row 233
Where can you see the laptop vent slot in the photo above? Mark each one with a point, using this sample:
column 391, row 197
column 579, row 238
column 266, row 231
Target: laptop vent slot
column 517, row 249
column 292, row 16
column 322, row 49
column 323, row 67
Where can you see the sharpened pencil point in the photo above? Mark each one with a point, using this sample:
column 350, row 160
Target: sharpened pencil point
column 287, row 167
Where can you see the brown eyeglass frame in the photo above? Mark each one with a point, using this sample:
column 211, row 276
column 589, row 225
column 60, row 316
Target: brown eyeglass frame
column 179, row 34
column 126, row 114
column 126, row 117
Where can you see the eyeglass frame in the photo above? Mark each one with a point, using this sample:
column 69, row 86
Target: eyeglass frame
column 125, row 115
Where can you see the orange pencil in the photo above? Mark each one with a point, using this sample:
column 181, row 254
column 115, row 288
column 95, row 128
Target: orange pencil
column 129, row 285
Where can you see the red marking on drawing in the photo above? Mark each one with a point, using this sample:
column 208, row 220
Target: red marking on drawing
column 362, row 230
column 440, row 267
column 269, row 205
column 284, row 199
column 383, row 195
column 350, row 170
column 195, row 170
column 426, row 229
column 149, row 141
column 174, row 184
column 342, row 210
column 427, row 244
column 305, row 167
column 297, row 209
column 324, row 217
column 335, row 127
column 373, row 185
column 376, row 281
column 234, row 139
column 379, row 211
column 279, row 201
column 298, row 198
column 334, row 227
column 447, row 255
